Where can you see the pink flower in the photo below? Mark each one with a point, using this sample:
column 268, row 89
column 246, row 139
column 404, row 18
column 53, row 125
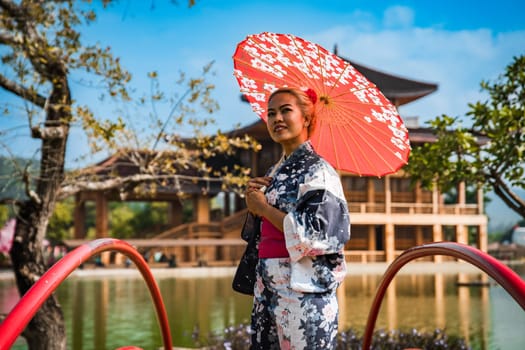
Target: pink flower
column 6, row 236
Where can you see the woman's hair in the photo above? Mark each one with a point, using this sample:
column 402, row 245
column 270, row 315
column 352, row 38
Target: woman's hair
column 305, row 101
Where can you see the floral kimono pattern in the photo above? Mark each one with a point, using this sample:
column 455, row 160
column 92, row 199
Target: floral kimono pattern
column 295, row 303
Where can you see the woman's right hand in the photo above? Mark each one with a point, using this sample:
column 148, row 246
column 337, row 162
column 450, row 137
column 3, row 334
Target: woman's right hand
column 254, row 196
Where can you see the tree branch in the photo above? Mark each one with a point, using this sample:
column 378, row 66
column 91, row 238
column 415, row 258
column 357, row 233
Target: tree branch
column 46, row 62
column 77, row 185
column 10, row 7
column 7, row 39
column 26, row 178
column 21, row 91
column 509, row 197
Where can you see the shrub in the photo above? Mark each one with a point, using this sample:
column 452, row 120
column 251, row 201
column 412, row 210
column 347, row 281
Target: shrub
column 238, row 338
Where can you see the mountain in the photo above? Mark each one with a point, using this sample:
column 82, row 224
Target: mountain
column 11, row 185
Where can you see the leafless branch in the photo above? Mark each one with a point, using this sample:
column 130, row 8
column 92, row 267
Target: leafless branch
column 22, row 91
column 76, row 186
column 26, row 179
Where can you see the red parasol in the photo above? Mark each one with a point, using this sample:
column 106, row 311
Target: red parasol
column 358, row 129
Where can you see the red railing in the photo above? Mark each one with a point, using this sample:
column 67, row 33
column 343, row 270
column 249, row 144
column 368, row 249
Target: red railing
column 501, row 273
column 24, row 310
column 22, row 313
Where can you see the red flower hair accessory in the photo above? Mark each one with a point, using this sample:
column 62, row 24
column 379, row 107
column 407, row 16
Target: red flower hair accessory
column 312, row 95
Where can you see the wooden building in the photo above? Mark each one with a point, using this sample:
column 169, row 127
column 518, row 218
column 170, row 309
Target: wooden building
column 387, row 214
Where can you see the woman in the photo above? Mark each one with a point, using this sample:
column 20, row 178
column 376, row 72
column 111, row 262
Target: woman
column 305, row 225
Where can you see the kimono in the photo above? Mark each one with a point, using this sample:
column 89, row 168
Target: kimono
column 295, row 302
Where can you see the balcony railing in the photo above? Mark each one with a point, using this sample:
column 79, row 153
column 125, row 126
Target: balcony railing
column 413, row 208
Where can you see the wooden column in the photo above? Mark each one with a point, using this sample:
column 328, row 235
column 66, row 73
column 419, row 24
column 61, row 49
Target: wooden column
column 101, row 223
column 372, row 244
column 481, row 201
column 371, row 198
column 418, row 193
column 482, row 238
column 80, row 217
column 101, row 214
column 435, row 199
column 461, row 234
column 388, row 196
column 419, row 235
column 462, row 194
column 174, row 213
column 437, row 236
column 202, row 209
column 389, row 243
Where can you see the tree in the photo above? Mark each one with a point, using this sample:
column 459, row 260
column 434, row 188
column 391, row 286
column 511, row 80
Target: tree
column 491, row 152
column 41, row 51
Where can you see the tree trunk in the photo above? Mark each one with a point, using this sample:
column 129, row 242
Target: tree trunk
column 46, row 330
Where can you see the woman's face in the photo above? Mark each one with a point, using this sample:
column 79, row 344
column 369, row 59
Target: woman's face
column 286, row 123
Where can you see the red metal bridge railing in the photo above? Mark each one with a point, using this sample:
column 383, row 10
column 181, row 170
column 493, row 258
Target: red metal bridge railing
column 28, row 305
column 501, row 273
column 19, row 317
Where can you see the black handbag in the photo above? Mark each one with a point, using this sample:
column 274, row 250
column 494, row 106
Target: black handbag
column 244, row 278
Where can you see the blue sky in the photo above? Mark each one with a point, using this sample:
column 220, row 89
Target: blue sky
column 455, row 44
column 451, row 43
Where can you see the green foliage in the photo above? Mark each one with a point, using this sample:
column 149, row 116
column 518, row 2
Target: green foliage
column 137, row 219
column 152, row 219
column 490, row 152
column 127, row 219
column 447, row 161
column 61, row 222
column 4, row 214
column 121, row 217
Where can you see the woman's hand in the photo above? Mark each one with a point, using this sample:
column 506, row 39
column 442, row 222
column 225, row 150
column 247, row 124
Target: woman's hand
column 255, row 199
column 258, row 205
column 257, row 183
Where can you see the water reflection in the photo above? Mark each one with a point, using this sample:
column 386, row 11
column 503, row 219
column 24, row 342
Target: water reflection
column 105, row 313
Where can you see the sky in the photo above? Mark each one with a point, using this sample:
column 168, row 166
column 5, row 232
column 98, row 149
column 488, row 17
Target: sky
column 455, row 44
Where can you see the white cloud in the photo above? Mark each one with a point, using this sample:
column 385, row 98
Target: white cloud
column 398, row 17
column 456, row 60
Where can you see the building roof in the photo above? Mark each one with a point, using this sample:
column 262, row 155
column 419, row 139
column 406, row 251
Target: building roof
column 182, row 179
column 417, row 135
column 397, row 89
column 259, row 131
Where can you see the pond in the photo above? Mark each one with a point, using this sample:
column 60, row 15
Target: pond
column 108, row 310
